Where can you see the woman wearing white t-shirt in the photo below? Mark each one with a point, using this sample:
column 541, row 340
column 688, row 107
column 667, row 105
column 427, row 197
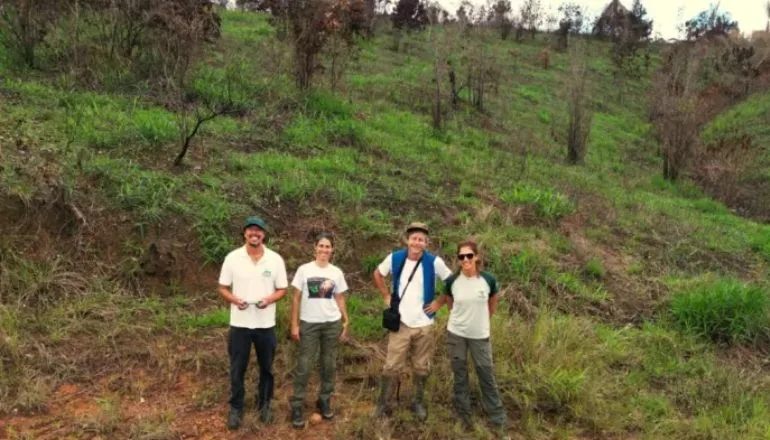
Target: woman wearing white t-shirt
column 471, row 295
column 319, row 319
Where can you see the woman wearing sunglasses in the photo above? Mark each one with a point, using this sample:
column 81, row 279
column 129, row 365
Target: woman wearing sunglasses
column 471, row 295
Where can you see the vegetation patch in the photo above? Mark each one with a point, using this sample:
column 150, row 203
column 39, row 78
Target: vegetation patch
column 722, row 310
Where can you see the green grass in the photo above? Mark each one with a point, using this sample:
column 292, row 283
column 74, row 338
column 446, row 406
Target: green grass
column 246, row 28
column 547, row 202
column 723, row 310
column 576, row 243
column 150, row 194
column 748, row 118
column 292, row 178
column 214, row 318
column 211, row 216
column 368, row 308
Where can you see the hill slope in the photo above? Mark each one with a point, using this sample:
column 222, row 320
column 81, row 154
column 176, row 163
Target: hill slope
column 112, row 327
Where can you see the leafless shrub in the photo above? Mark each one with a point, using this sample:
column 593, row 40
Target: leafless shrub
column 227, row 96
column 532, row 16
column 544, row 57
column 313, row 22
column 340, row 52
column 722, row 165
column 501, row 11
column 442, row 47
column 570, row 23
column 482, row 73
column 675, row 107
column 24, row 25
column 579, row 106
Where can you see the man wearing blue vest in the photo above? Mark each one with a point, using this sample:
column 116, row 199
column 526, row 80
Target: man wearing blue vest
column 413, row 285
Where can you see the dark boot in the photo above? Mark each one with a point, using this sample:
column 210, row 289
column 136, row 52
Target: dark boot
column 466, row 421
column 382, row 400
column 265, row 414
column 325, row 408
column 234, row 419
column 296, row 418
column 418, row 408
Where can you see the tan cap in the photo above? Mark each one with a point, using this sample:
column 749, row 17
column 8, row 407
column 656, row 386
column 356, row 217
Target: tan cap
column 417, row 226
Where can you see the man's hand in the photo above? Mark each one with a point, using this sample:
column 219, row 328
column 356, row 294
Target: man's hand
column 295, row 332
column 263, row 303
column 387, row 300
column 240, row 303
column 344, row 334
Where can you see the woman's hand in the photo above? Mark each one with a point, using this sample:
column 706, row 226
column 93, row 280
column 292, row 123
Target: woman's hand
column 433, row 307
column 344, row 333
column 295, row 332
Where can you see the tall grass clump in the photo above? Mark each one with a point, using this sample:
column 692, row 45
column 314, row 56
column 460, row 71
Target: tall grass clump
column 724, row 310
column 212, row 214
column 547, row 203
column 556, row 365
column 150, row 194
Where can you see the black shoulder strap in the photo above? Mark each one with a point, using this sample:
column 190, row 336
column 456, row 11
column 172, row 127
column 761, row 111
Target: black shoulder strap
column 411, row 275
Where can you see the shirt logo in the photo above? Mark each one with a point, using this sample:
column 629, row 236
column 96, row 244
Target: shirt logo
column 266, row 273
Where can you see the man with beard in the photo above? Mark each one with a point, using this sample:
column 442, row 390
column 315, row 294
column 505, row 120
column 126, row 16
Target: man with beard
column 252, row 279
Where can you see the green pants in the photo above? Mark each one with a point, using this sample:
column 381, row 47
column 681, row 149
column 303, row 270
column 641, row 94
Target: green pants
column 312, row 337
column 481, row 354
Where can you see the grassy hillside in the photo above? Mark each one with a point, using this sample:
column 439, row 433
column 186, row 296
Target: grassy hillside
column 632, row 307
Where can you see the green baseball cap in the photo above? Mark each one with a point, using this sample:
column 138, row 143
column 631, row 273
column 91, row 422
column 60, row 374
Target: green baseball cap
column 255, row 221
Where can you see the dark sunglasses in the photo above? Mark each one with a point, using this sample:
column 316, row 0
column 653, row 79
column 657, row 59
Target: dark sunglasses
column 464, row 256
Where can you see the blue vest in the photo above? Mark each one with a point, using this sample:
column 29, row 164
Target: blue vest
column 428, row 276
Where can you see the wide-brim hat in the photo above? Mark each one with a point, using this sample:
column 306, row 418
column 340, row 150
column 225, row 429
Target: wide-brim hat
column 417, row 227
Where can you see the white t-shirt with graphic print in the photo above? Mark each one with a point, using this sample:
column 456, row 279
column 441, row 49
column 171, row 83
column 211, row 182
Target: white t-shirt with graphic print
column 319, row 285
column 411, row 305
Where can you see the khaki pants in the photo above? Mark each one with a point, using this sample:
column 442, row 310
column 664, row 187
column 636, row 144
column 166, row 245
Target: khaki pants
column 420, row 340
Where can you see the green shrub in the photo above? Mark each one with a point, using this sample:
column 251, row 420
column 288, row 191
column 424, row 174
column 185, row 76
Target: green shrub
column 725, row 310
column 547, row 202
column 327, row 104
column 348, row 132
column 594, row 269
column 760, row 243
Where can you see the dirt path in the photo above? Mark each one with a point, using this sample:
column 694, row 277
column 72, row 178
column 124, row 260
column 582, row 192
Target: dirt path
column 193, row 408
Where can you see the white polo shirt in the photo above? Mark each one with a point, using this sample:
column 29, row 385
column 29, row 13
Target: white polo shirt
column 411, row 307
column 252, row 281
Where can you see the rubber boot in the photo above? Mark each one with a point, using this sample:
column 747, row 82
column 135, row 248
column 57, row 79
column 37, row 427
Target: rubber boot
column 265, row 413
column 382, row 401
column 418, row 408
